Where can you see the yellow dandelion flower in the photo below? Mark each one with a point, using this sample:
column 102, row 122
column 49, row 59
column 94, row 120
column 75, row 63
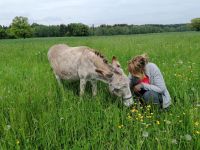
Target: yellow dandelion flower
column 129, row 117
column 134, row 110
column 148, row 117
column 147, row 126
column 157, row 122
column 197, row 132
column 149, row 106
column 17, row 142
column 120, row 126
column 196, row 123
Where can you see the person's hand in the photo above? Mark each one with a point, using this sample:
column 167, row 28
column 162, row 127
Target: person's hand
column 137, row 88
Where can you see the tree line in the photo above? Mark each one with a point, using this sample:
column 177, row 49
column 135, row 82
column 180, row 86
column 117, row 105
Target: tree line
column 20, row 28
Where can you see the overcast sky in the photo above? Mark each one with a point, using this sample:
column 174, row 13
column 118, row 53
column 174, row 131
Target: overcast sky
column 100, row 11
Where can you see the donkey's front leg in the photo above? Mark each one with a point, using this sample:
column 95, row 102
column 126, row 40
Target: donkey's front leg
column 59, row 80
column 94, row 87
column 82, row 86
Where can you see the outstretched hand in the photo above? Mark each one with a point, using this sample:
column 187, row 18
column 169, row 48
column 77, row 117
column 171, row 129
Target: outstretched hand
column 137, row 88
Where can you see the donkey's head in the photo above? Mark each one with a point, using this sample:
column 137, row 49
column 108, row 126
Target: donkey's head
column 116, row 78
column 119, row 85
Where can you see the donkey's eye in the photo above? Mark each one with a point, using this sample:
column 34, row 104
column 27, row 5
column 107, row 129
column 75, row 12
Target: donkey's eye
column 116, row 90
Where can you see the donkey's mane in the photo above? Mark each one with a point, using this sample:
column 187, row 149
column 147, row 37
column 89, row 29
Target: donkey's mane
column 101, row 56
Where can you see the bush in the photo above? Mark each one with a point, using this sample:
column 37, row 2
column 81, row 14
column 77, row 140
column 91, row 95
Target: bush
column 195, row 23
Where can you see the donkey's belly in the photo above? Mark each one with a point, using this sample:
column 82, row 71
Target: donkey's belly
column 68, row 74
column 67, row 70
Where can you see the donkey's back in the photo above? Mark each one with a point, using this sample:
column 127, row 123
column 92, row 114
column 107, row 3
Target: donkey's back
column 65, row 60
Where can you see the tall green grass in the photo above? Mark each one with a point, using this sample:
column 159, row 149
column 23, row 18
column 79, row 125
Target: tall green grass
column 37, row 114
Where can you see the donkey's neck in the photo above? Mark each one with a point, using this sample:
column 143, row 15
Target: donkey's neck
column 99, row 60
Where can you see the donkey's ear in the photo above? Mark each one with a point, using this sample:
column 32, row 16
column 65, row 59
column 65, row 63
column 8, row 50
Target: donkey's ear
column 106, row 75
column 115, row 62
column 114, row 58
column 99, row 71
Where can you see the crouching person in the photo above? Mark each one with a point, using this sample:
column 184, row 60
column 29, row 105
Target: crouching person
column 147, row 83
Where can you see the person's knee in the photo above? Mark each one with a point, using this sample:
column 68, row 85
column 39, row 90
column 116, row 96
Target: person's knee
column 151, row 97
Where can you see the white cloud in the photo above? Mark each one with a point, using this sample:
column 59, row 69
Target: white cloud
column 100, row 11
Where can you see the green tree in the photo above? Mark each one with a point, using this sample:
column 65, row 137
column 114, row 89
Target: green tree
column 54, row 31
column 20, row 27
column 40, row 30
column 195, row 23
column 78, row 29
column 3, row 33
column 63, row 30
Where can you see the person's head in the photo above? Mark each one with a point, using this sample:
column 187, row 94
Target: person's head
column 136, row 65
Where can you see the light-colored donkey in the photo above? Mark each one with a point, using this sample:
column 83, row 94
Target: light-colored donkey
column 84, row 64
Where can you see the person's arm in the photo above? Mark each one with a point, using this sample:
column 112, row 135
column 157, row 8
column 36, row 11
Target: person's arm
column 133, row 80
column 158, row 81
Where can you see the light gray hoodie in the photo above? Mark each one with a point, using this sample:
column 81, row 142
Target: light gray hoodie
column 157, row 83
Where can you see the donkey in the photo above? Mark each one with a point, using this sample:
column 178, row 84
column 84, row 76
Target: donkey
column 85, row 64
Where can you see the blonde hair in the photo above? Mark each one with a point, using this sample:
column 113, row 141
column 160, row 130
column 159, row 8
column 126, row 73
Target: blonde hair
column 137, row 64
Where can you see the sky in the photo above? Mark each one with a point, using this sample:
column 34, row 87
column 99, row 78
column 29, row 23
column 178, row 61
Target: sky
column 52, row 12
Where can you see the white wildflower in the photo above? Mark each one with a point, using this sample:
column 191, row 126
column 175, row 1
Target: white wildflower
column 198, row 105
column 188, row 137
column 7, row 127
column 180, row 62
column 145, row 134
column 167, row 122
column 174, row 141
column 192, row 89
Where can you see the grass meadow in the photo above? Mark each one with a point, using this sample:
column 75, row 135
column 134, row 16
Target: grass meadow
column 37, row 114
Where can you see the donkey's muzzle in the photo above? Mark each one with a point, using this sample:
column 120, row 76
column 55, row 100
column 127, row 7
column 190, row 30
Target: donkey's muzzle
column 128, row 101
